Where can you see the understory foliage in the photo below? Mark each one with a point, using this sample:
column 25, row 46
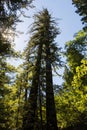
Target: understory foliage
column 71, row 102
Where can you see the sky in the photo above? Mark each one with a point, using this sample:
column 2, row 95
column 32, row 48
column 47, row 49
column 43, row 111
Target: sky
column 68, row 21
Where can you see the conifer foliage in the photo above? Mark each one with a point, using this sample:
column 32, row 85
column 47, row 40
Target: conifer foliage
column 81, row 6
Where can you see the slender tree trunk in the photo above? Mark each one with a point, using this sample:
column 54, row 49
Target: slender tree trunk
column 32, row 107
column 25, row 109
column 50, row 104
column 18, row 109
column 25, row 100
column 40, row 103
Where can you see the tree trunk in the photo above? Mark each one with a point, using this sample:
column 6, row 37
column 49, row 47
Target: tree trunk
column 50, row 104
column 32, row 107
column 40, row 103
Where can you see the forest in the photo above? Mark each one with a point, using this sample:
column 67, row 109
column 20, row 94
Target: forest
column 29, row 100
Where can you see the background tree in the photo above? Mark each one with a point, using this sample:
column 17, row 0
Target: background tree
column 7, row 94
column 8, row 19
column 81, row 6
column 75, row 52
column 71, row 102
column 8, row 11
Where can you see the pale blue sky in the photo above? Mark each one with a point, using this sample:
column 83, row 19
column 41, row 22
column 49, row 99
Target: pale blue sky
column 69, row 22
